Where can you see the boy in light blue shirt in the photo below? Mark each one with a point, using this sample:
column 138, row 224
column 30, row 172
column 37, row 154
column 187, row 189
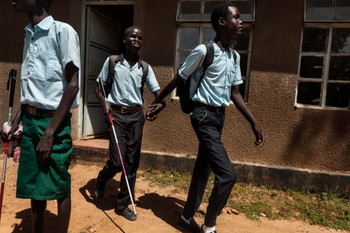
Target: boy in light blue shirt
column 223, row 73
column 49, row 88
column 125, row 104
column 126, row 90
column 219, row 84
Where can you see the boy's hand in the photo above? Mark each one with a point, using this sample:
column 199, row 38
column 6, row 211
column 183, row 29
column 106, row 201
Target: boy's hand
column 106, row 108
column 5, row 132
column 153, row 110
column 44, row 148
column 259, row 138
column 8, row 131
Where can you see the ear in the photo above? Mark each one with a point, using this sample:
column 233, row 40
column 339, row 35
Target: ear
column 124, row 39
column 222, row 21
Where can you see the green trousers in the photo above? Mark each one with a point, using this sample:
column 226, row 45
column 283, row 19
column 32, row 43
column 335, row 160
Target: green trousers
column 50, row 181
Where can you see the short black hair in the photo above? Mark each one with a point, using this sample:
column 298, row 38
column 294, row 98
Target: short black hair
column 131, row 28
column 220, row 11
column 46, row 4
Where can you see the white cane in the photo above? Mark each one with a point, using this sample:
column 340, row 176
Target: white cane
column 110, row 118
column 11, row 85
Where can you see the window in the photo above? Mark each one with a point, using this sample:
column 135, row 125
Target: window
column 200, row 10
column 324, row 67
column 327, row 10
column 193, row 17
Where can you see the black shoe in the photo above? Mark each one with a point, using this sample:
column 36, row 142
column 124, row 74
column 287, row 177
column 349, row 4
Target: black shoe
column 126, row 213
column 202, row 231
column 192, row 225
column 100, row 189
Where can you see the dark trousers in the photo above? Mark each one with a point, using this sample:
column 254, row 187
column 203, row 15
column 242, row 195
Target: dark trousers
column 129, row 128
column 211, row 156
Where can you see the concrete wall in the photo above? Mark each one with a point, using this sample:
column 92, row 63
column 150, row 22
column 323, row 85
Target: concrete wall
column 11, row 35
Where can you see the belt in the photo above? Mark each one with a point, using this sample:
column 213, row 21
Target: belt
column 217, row 110
column 39, row 112
column 122, row 109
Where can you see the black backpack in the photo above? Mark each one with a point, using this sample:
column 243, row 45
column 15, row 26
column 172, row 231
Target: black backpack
column 183, row 89
column 113, row 59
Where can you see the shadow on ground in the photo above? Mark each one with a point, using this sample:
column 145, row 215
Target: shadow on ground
column 108, row 202
column 25, row 226
column 166, row 208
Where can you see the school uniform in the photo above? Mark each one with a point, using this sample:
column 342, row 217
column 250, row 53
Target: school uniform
column 125, row 99
column 207, row 119
column 48, row 47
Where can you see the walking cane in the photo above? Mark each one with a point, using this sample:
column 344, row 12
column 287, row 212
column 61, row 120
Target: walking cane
column 11, row 84
column 110, row 118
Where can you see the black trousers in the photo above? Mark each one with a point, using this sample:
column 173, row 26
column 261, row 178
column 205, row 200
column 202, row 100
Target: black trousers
column 211, row 156
column 129, row 128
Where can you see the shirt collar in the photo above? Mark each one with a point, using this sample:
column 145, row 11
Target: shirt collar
column 121, row 59
column 44, row 25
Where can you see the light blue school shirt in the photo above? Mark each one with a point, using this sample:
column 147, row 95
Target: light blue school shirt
column 126, row 87
column 220, row 76
column 48, row 47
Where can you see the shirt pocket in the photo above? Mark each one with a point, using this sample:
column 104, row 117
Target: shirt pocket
column 49, row 68
column 54, row 71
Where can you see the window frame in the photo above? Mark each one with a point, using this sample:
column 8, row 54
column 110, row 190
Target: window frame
column 202, row 10
column 324, row 80
column 334, row 3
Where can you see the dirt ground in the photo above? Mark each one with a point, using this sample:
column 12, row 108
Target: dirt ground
column 157, row 210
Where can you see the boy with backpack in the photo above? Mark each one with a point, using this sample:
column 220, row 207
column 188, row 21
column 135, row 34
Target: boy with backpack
column 211, row 88
column 123, row 77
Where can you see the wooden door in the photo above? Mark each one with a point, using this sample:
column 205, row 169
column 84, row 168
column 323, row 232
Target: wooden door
column 102, row 40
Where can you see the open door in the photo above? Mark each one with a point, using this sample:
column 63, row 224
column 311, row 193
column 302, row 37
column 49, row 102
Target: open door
column 104, row 30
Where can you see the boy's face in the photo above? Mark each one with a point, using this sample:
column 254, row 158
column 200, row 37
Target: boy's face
column 233, row 23
column 25, row 6
column 133, row 40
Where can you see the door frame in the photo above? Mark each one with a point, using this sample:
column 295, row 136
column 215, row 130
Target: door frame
column 85, row 4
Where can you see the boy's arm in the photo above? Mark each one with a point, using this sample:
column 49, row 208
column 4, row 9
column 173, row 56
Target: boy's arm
column 159, row 106
column 101, row 98
column 156, row 106
column 242, row 107
column 44, row 146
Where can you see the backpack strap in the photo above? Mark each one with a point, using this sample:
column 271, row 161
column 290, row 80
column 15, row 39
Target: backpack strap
column 209, row 57
column 234, row 53
column 208, row 60
column 144, row 72
column 111, row 66
column 144, row 66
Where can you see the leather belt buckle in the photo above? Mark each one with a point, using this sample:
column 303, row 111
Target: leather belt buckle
column 123, row 110
column 216, row 110
column 126, row 110
column 32, row 111
column 38, row 112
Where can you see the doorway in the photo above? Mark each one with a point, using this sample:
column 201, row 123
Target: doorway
column 104, row 29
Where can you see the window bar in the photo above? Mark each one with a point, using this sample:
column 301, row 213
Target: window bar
column 202, row 9
column 326, row 69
